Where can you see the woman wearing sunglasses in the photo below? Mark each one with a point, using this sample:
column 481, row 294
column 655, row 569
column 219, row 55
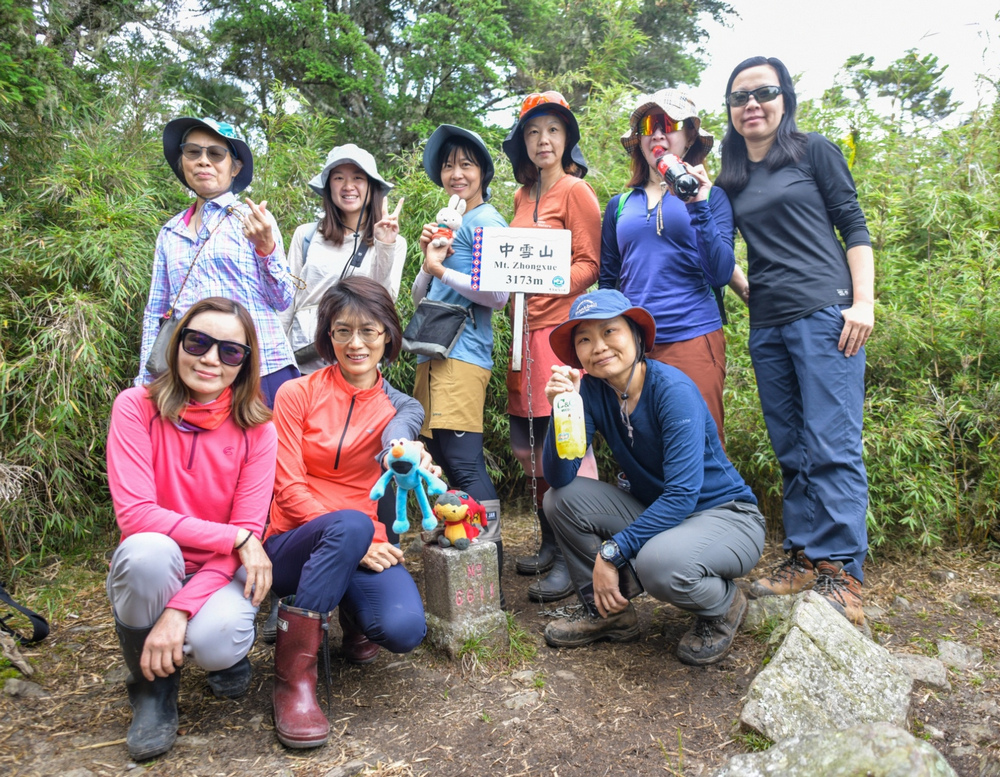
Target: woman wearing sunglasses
column 670, row 255
column 357, row 235
column 219, row 247
column 548, row 163
column 811, row 311
column 191, row 468
column 327, row 545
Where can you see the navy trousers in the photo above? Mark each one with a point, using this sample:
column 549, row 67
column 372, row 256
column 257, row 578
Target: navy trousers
column 813, row 400
column 319, row 563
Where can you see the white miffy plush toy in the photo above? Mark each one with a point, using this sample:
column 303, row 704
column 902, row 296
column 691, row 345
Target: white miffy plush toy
column 449, row 219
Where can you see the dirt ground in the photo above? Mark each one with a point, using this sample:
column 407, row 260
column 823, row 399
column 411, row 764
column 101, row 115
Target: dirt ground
column 604, row 709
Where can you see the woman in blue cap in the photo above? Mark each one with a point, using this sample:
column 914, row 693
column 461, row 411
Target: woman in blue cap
column 453, row 390
column 219, row 247
column 688, row 525
column 357, row 235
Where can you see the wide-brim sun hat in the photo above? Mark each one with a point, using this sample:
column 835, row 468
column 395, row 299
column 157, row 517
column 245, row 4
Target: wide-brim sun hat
column 679, row 106
column 534, row 105
column 349, row 154
column 599, row 305
column 177, row 129
column 432, row 150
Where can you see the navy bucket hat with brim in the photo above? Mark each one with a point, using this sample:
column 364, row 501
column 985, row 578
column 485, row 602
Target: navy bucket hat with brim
column 432, row 150
column 538, row 104
column 349, row 154
column 600, row 305
column 177, row 129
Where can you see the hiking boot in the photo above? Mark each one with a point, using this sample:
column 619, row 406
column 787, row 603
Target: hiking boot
column 841, row 590
column 581, row 628
column 793, row 575
column 357, row 648
column 710, row 639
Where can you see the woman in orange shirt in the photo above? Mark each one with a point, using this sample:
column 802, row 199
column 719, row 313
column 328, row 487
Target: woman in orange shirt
column 544, row 152
column 325, row 541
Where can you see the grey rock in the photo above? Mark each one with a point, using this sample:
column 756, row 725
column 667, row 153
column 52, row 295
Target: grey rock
column 766, row 611
column 522, row 700
column 192, row 741
column 962, row 752
column 24, row 689
column 825, row 675
column 901, row 603
column 563, row 674
column 933, row 732
column 962, row 599
column 116, row 676
column 958, row 655
column 942, row 575
column 874, row 612
column 979, row 734
column 525, row 677
column 987, row 707
column 926, row 670
column 871, row 749
column 346, row 770
column 256, row 722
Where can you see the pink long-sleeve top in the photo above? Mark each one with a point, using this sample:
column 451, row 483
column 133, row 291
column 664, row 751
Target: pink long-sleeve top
column 198, row 488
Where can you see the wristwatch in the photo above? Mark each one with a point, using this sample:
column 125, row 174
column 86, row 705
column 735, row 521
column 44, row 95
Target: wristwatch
column 612, row 553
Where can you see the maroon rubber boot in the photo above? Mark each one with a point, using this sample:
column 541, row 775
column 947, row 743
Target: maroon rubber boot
column 358, row 649
column 298, row 720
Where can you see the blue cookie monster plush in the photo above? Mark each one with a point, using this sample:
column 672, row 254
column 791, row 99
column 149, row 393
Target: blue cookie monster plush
column 404, row 466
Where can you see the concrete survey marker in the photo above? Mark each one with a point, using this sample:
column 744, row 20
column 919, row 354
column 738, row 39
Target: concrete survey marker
column 462, row 597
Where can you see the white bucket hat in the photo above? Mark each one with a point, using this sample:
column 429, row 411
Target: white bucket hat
column 348, row 153
column 679, row 106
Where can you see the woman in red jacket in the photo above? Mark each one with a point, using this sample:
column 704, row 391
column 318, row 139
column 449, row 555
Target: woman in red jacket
column 190, row 468
column 328, row 547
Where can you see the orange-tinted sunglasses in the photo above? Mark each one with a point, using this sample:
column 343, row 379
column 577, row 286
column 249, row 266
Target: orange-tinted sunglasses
column 535, row 99
column 648, row 124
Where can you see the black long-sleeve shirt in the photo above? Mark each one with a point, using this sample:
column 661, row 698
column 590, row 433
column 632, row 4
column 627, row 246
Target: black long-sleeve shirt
column 787, row 218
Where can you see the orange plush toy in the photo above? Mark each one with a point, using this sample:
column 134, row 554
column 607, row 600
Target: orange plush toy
column 462, row 516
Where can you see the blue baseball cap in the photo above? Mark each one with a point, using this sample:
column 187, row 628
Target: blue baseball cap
column 599, row 305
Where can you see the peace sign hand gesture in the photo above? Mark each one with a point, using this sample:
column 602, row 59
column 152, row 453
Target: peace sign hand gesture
column 388, row 227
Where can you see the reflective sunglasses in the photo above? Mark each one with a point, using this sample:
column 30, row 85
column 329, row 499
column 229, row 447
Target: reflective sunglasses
column 198, row 344
column 215, row 153
column 535, row 99
column 762, row 94
column 344, row 334
column 648, row 124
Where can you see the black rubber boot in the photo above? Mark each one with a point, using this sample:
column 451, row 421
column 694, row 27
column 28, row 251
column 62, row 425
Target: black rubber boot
column 557, row 585
column 503, row 599
column 154, row 704
column 269, row 631
column 232, row 683
column 541, row 562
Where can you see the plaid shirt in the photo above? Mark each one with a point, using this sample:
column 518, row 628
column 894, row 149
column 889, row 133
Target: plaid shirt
column 228, row 267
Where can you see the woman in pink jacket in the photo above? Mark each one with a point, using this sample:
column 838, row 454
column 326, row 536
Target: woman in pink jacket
column 191, row 462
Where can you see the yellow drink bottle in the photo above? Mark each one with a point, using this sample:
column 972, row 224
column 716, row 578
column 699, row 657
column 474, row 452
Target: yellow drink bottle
column 570, row 429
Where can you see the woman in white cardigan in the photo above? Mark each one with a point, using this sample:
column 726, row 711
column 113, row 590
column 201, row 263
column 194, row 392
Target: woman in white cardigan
column 357, row 235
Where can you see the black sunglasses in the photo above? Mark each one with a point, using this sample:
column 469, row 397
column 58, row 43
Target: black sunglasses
column 194, row 151
column 762, row 94
column 198, row 344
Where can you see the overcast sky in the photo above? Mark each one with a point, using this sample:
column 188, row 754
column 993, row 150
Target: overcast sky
column 814, row 39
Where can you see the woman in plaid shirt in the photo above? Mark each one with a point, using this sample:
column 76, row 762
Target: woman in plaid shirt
column 235, row 248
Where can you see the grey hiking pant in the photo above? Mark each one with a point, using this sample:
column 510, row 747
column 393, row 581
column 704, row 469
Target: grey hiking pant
column 147, row 571
column 691, row 565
